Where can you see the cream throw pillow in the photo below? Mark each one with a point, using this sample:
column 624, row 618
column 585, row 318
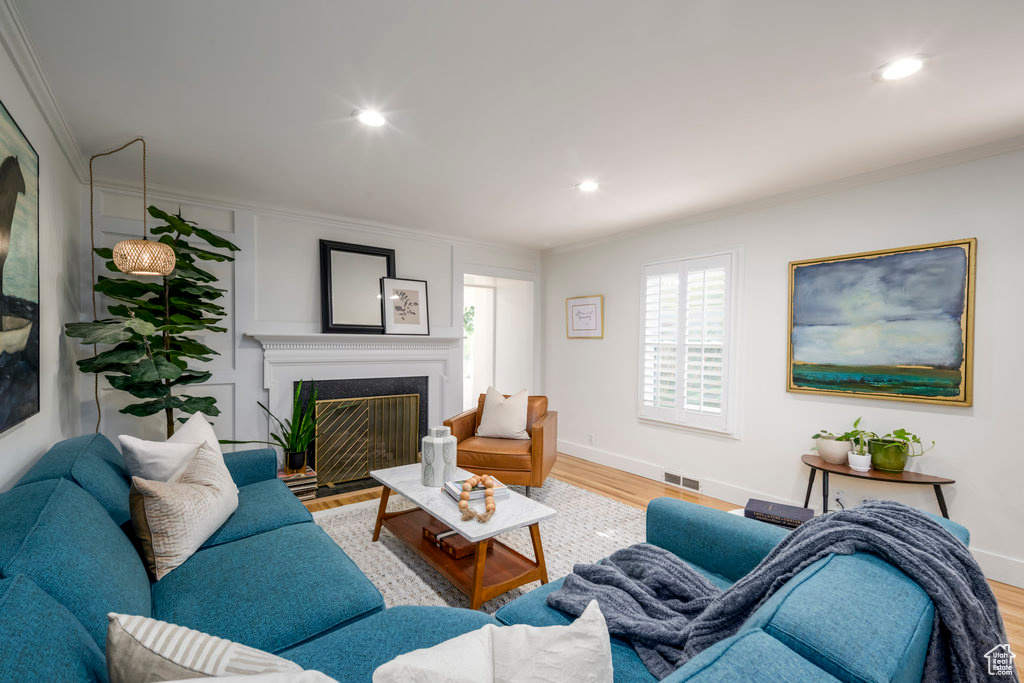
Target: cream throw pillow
column 197, row 430
column 580, row 652
column 140, row 649
column 504, row 418
column 173, row 519
column 156, row 460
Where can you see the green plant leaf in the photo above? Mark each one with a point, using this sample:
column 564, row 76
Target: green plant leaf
column 99, row 332
column 191, row 377
column 124, row 354
column 200, row 404
column 138, row 389
column 215, row 241
column 140, row 326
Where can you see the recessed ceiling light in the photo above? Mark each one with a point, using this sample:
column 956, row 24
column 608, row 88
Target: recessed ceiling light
column 900, row 68
column 587, row 186
column 370, row 117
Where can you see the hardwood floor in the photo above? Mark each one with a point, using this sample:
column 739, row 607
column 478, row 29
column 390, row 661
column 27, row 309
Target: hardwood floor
column 638, row 491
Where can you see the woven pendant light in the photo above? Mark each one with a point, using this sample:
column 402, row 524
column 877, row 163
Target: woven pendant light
column 143, row 257
column 138, row 257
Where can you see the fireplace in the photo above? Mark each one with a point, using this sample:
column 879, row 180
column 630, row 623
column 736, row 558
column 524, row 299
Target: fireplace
column 365, row 424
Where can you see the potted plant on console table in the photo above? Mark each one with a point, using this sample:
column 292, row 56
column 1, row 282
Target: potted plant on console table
column 889, row 453
column 835, row 449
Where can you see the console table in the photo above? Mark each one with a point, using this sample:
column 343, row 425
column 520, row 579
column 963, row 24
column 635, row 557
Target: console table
column 816, row 463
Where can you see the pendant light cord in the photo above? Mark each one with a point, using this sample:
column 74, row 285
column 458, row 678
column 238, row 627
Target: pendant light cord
column 92, row 245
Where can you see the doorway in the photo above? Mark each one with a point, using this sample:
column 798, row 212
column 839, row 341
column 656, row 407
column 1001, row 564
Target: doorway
column 498, row 331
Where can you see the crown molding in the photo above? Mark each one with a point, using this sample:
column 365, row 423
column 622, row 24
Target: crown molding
column 960, row 156
column 26, row 61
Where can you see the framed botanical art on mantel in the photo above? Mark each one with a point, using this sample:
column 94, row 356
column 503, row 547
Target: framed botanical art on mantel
column 405, row 307
column 19, row 274
column 584, row 317
column 896, row 324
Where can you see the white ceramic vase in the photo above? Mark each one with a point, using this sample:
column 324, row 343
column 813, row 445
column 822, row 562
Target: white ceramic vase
column 833, row 451
column 861, row 463
column 439, row 454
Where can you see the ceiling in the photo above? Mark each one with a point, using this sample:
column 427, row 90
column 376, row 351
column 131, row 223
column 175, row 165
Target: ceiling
column 497, row 109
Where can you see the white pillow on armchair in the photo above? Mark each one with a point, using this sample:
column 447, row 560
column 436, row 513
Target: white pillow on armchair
column 504, row 418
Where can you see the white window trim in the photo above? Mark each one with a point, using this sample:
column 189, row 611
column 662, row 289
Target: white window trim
column 734, row 369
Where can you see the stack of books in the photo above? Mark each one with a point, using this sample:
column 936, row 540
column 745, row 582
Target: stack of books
column 449, row 541
column 303, row 484
column 454, row 489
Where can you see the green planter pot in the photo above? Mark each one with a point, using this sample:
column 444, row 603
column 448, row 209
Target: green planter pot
column 888, row 455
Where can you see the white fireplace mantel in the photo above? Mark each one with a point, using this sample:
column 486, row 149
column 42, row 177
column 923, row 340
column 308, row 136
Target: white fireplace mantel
column 288, row 358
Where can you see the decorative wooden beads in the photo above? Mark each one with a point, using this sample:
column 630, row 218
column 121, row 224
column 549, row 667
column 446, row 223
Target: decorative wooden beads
column 469, row 513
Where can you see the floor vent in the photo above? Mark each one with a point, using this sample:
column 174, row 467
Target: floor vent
column 681, row 481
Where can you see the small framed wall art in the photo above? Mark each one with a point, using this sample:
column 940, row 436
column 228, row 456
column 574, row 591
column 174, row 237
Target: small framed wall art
column 584, row 317
column 405, row 306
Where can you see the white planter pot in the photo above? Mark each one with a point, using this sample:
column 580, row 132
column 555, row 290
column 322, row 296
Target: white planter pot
column 833, row 451
column 861, row 463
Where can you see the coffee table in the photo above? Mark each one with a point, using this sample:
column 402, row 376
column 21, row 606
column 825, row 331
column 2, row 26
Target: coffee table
column 481, row 575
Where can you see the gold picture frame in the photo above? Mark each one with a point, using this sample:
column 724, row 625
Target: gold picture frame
column 906, row 314
column 584, row 317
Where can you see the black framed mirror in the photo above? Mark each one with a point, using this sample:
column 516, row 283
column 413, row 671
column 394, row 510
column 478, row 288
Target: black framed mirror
column 350, row 286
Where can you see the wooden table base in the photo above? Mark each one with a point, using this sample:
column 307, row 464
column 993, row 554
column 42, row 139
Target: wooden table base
column 481, row 576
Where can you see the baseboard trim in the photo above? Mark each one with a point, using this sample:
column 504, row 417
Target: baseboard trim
column 997, row 567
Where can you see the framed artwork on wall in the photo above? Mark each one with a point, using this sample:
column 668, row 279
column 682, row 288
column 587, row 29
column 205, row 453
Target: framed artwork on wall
column 350, row 286
column 895, row 324
column 405, row 306
column 19, row 274
column 584, row 317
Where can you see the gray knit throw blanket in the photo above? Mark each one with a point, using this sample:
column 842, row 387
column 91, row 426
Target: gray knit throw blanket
column 670, row 613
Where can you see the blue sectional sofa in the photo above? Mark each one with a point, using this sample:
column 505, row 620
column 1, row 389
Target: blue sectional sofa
column 272, row 579
column 845, row 617
column 269, row 577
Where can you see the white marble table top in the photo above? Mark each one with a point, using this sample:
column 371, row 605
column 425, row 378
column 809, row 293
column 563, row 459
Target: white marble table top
column 511, row 513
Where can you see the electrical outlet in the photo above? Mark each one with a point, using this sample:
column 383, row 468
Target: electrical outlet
column 590, row 439
column 839, row 498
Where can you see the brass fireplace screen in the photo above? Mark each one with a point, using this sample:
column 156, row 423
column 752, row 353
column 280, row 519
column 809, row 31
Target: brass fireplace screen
column 357, row 435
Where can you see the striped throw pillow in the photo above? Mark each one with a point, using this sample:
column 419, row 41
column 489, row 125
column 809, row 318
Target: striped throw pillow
column 141, row 649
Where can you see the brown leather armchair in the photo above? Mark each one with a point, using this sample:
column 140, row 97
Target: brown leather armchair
column 514, row 461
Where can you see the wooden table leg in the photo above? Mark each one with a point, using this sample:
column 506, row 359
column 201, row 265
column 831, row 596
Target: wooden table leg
column 810, row 483
column 538, row 552
column 942, row 501
column 824, row 492
column 478, row 575
column 380, row 512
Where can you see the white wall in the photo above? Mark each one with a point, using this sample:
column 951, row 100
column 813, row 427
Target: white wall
column 274, row 288
column 59, row 279
column 514, row 335
column 594, row 383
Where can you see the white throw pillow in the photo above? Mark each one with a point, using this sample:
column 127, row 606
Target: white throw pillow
column 504, row 418
column 156, row 460
column 172, row 520
column 580, row 652
column 197, row 430
column 140, row 649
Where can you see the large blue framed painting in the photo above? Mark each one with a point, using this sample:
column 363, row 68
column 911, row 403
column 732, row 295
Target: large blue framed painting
column 19, row 275
column 895, row 324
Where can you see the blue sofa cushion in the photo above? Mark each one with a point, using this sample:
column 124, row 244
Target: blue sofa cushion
column 56, row 534
column 41, row 640
column 855, row 616
column 726, row 545
column 92, row 462
column 752, row 656
column 352, row 653
column 262, row 506
column 270, row 591
column 251, row 466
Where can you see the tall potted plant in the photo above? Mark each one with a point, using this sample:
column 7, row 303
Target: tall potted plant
column 151, row 332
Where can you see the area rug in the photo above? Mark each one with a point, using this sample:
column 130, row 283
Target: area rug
column 587, row 527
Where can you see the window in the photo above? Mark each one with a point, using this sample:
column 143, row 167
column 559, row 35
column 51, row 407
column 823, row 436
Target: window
column 686, row 376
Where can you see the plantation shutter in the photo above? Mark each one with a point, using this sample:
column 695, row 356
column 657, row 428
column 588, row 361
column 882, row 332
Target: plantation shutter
column 685, row 363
